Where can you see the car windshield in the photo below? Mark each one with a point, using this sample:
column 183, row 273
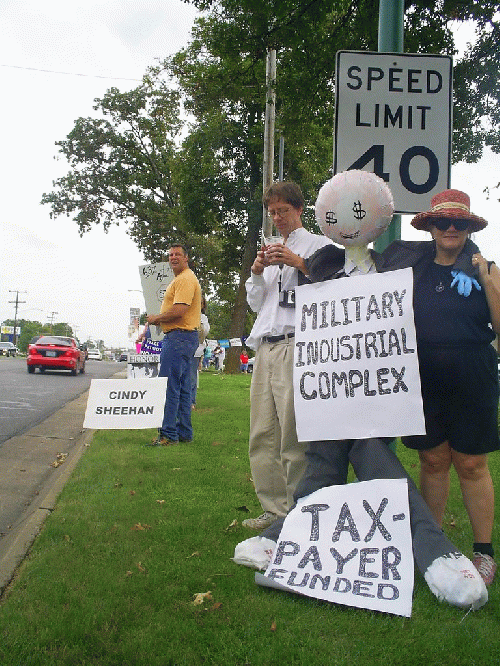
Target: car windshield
column 6, row 344
column 55, row 340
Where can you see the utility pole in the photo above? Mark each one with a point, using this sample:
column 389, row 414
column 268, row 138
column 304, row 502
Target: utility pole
column 390, row 40
column 16, row 302
column 268, row 163
column 51, row 319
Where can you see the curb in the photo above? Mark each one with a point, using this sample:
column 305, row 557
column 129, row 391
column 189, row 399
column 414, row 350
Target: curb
column 18, row 542
column 66, row 424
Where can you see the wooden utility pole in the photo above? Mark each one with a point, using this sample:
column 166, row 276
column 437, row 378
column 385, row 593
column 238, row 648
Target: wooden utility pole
column 268, row 162
column 17, row 302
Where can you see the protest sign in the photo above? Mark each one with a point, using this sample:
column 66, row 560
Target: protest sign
column 155, row 278
column 151, row 347
column 350, row 545
column 120, row 404
column 143, row 365
column 356, row 367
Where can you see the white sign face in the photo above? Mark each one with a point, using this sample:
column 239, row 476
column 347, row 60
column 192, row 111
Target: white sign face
column 155, row 279
column 350, row 545
column 123, row 404
column 394, row 118
column 356, row 367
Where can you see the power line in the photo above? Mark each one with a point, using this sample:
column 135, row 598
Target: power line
column 53, row 71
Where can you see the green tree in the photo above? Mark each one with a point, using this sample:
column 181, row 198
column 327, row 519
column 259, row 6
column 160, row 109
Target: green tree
column 207, row 193
column 221, row 73
column 29, row 329
column 121, row 164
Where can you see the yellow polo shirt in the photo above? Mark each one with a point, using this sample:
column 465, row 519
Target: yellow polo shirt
column 186, row 289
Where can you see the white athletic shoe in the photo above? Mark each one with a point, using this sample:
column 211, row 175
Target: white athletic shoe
column 255, row 552
column 453, row 578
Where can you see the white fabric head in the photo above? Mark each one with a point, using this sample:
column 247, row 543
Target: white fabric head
column 354, row 208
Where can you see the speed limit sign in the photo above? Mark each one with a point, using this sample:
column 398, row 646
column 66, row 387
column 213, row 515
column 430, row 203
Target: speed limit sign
column 394, row 118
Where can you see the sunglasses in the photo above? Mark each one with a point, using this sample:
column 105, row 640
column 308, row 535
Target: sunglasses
column 443, row 224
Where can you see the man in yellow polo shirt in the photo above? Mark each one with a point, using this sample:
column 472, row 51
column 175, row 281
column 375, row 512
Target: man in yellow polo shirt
column 179, row 319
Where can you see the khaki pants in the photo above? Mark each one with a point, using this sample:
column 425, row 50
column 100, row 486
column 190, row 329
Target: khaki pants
column 277, row 459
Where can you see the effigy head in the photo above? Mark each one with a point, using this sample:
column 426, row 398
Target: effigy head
column 354, row 208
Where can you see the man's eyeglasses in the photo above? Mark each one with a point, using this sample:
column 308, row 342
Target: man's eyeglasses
column 273, row 212
column 444, row 223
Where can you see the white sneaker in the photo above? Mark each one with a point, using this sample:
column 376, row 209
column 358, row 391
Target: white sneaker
column 453, row 578
column 486, row 567
column 255, row 552
column 260, row 523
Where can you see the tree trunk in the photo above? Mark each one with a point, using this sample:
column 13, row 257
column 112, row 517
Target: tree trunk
column 237, row 328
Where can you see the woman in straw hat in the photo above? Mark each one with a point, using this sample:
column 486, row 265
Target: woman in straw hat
column 459, row 375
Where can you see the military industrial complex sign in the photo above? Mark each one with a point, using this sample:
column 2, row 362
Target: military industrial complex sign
column 394, row 118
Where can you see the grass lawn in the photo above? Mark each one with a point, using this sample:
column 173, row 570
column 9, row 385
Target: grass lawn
column 139, row 531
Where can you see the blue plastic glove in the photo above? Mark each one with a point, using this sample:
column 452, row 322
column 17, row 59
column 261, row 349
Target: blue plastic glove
column 464, row 283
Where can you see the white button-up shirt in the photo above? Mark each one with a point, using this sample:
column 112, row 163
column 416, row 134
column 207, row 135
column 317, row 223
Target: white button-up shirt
column 263, row 290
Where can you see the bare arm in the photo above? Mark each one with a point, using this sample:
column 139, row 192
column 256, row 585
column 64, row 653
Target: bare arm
column 491, row 285
column 174, row 313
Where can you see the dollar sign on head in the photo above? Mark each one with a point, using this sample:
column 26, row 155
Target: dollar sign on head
column 359, row 213
column 330, row 217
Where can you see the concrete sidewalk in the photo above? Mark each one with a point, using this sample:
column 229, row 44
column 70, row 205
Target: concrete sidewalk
column 34, row 468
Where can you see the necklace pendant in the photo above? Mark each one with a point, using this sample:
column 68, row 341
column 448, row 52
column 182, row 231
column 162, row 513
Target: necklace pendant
column 440, row 287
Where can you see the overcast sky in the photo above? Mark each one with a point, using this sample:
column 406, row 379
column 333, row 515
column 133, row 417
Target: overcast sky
column 56, row 56
column 85, row 280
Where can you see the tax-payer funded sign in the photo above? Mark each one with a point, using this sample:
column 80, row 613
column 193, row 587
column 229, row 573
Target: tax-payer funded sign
column 125, row 403
column 356, row 367
column 394, row 117
column 350, row 545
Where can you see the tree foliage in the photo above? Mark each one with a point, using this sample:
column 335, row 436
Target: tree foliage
column 29, row 329
column 128, row 165
column 121, row 166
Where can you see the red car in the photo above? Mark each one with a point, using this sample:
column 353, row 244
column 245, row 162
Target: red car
column 54, row 352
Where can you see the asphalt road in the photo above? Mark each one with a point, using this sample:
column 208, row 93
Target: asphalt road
column 26, row 400
column 41, row 440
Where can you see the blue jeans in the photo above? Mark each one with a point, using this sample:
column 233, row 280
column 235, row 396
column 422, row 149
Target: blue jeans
column 177, row 351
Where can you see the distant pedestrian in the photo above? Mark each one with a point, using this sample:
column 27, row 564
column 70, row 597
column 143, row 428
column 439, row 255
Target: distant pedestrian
column 244, row 362
column 207, row 356
column 195, row 364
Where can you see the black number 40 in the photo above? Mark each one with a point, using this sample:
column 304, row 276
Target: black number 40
column 376, row 153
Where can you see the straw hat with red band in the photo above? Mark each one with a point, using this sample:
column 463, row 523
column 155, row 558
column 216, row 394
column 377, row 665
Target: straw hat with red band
column 452, row 205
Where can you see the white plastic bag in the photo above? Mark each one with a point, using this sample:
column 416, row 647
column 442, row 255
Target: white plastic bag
column 255, row 552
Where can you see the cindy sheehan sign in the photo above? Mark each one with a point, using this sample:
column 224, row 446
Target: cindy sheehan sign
column 350, row 545
column 356, row 367
column 119, row 404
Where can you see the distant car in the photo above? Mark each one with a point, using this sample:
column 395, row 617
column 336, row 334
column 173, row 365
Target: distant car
column 8, row 349
column 123, row 357
column 94, row 354
column 55, row 352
